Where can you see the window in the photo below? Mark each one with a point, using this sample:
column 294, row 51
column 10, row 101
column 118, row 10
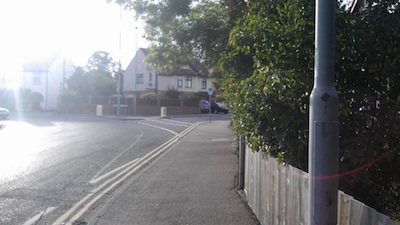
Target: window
column 204, row 83
column 180, row 81
column 188, row 82
column 36, row 79
column 150, row 76
column 139, row 78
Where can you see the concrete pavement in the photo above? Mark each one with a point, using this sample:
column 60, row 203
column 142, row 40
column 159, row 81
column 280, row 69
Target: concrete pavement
column 192, row 183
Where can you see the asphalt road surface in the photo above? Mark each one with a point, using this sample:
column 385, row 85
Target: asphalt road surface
column 49, row 162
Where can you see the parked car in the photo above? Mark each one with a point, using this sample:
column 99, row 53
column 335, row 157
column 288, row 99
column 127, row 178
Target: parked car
column 204, row 106
column 217, row 107
column 4, row 113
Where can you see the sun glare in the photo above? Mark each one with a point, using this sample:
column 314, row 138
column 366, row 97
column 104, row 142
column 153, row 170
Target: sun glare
column 75, row 27
column 19, row 144
column 10, row 76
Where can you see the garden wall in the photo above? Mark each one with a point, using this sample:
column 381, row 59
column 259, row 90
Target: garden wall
column 143, row 107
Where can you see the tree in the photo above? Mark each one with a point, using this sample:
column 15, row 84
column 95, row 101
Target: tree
column 102, row 61
column 79, row 83
column 184, row 29
column 97, row 78
column 368, row 65
column 269, row 90
column 265, row 51
column 268, row 77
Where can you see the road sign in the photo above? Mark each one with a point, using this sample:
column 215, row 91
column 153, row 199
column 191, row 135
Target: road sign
column 210, row 91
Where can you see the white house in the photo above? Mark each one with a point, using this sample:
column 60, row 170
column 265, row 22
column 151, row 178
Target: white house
column 188, row 80
column 47, row 77
column 5, row 80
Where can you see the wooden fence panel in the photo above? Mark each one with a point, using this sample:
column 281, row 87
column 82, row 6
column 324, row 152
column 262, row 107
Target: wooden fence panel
column 251, row 190
column 344, row 205
column 278, row 195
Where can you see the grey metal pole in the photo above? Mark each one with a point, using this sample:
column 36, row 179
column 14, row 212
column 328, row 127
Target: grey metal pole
column 119, row 64
column 135, row 88
column 119, row 91
column 324, row 124
column 209, row 108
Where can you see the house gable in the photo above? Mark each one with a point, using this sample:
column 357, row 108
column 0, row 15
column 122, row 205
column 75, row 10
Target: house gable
column 191, row 78
column 47, row 76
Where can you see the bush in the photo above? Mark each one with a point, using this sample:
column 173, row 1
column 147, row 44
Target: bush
column 172, row 93
column 73, row 97
column 149, row 96
column 268, row 76
column 35, row 100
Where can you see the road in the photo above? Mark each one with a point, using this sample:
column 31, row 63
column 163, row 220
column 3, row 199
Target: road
column 50, row 162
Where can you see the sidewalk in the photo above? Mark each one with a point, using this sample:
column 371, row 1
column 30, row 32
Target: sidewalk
column 192, row 183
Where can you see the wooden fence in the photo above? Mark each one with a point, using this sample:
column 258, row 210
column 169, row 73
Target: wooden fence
column 278, row 195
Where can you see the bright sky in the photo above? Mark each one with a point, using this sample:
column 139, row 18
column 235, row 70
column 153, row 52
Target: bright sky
column 77, row 27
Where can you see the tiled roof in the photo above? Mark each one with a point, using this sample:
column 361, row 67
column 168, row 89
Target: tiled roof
column 39, row 64
column 193, row 68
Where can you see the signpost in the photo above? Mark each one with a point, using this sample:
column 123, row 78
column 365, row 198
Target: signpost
column 210, row 92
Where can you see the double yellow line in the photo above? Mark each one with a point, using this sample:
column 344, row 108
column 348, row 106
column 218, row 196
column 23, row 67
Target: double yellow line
column 78, row 210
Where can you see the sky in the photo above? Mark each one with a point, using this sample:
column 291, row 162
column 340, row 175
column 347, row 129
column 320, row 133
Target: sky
column 78, row 28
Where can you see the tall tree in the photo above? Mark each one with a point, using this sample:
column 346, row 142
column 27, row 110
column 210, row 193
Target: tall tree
column 268, row 64
column 98, row 77
column 269, row 90
column 102, row 61
column 367, row 66
column 183, row 29
column 268, row 73
column 78, row 83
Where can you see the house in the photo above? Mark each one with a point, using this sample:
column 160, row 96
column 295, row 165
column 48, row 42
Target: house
column 46, row 77
column 10, row 73
column 5, row 80
column 189, row 80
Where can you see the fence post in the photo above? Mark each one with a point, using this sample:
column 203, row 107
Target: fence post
column 242, row 153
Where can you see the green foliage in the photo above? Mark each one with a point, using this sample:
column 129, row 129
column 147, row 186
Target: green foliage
column 184, row 29
column 9, row 97
column 102, row 61
column 268, row 78
column 172, row 93
column 101, row 83
column 79, row 82
column 269, row 75
column 73, row 97
column 97, row 78
column 193, row 97
column 265, row 51
column 151, row 96
column 35, row 100
column 368, row 70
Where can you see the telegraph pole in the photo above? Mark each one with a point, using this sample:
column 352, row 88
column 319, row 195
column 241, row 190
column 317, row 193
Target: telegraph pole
column 324, row 124
column 119, row 63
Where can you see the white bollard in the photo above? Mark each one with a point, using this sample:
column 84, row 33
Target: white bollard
column 163, row 111
column 99, row 110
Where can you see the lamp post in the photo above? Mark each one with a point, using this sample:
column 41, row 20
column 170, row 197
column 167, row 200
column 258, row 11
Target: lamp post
column 135, row 86
column 119, row 63
column 324, row 124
